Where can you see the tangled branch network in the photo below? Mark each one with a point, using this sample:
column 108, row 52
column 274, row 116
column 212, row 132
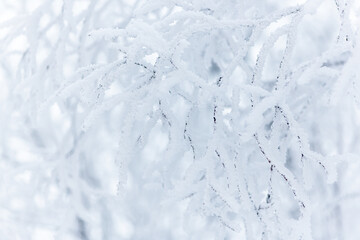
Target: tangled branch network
column 179, row 119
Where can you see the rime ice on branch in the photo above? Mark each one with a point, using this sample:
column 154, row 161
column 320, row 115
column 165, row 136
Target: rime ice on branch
column 176, row 119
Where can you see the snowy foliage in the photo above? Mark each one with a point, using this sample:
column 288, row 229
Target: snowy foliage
column 179, row 119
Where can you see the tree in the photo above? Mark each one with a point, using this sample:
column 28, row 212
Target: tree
column 175, row 119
